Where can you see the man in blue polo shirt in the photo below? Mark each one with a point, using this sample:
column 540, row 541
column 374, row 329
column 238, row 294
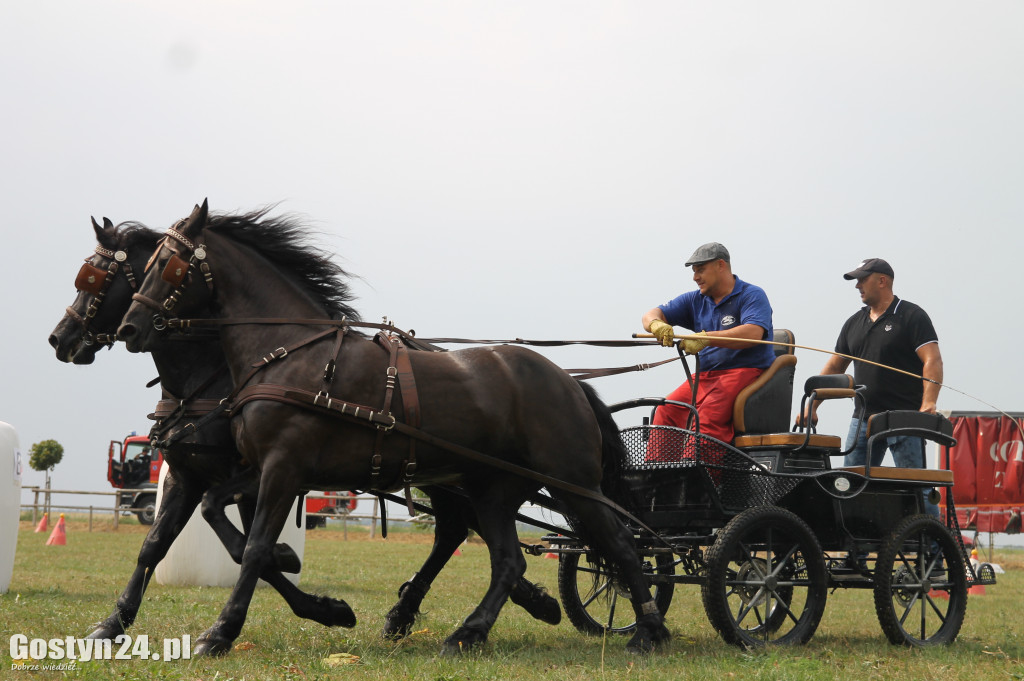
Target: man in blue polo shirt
column 725, row 311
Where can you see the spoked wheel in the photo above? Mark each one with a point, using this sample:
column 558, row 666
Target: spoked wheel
column 920, row 584
column 766, row 581
column 595, row 603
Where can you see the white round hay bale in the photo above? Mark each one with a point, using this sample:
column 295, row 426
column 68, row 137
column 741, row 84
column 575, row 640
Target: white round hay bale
column 10, row 501
column 197, row 558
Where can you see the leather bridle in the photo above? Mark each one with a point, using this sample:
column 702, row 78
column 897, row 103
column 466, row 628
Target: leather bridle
column 178, row 272
column 97, row 281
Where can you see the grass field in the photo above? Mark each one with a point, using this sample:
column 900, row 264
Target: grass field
column 60, row 591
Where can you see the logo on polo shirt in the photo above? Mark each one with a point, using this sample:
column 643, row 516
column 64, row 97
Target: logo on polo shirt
column 888, row 327
column 728, row 320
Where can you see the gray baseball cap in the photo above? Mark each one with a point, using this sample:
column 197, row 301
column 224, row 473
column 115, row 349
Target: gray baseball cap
column 707, row 253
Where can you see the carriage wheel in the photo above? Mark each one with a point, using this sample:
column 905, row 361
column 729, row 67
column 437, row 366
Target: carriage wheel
column 595, row 603
column 920, row 596
column 766, row 580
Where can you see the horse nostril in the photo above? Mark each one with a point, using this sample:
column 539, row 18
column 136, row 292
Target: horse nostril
column 126, row 331
column 53, row 341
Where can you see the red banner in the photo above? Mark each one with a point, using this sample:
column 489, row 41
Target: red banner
column 988, row 470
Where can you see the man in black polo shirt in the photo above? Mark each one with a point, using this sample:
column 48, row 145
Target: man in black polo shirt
column 896, row 333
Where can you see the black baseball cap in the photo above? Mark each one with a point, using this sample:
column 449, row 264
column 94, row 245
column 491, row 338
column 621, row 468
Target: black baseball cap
column 869, row 266
column 707, row 253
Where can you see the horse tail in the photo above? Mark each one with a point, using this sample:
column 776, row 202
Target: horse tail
column 614, row 457
column 614, row 454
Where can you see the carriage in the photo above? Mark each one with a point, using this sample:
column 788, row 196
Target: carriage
column 768, row 525
column 765, row 525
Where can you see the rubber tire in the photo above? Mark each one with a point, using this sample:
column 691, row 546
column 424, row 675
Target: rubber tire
column 749, row 533
column 581, row 609
column 899, row 585
column 145, row 509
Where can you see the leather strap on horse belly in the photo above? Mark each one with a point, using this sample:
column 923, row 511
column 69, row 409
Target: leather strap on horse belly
column 383, row 420
column 366, row 416
column 411, row 406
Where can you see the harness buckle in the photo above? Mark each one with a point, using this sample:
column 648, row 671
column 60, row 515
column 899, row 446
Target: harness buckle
column 385, row 427
column 159, row 322
column 280, row 353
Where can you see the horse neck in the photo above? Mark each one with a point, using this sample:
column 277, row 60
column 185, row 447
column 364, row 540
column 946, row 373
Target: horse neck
column 184, row 366
column 247, row 285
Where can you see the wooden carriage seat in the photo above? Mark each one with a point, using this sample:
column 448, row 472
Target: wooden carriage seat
column 933, row 427
column 764, row 405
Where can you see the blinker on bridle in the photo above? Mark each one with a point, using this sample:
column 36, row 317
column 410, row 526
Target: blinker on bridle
column 177, row 272
column 96, row 281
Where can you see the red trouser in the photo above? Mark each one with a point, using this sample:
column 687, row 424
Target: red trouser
column 716, row 395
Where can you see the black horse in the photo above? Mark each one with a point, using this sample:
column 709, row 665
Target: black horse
column 205, row 466
column 187, row 363
column 300, row 376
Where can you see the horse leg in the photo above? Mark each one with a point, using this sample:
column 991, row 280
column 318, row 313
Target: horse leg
column 614, row 543
column 273, row 506
column 495, row 506
column 239, row 489
column 178, row 500
column 330, row 612
column 532, row 598
column 449, row 531
column 535, row 599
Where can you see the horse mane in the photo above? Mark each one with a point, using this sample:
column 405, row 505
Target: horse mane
column 131, row 235
column 286, row 242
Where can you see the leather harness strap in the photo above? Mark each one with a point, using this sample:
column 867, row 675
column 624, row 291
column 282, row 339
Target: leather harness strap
column 169, row 406
column 367, row 416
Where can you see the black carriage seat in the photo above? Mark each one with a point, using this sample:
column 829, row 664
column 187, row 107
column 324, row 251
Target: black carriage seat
column 934, row 427
column 819, row 387
column 764, row 405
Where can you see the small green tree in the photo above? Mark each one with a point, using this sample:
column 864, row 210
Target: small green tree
column 43, row 457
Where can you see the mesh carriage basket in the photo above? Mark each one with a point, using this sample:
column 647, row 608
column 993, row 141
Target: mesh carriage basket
column 672, row 469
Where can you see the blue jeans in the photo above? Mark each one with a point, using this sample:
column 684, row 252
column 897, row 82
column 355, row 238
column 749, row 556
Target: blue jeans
column 907, row 452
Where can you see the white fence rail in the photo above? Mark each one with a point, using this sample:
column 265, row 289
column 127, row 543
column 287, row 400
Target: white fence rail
column 114, row 507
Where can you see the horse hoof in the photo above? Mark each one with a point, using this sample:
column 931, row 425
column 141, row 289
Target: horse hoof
column 341, row 614
column 644, row 642
column 394, row 631
column 462, row 641
column 207, row 647
column 105, row 631
column 286, row 559
column 397, row 625
column 546, row 610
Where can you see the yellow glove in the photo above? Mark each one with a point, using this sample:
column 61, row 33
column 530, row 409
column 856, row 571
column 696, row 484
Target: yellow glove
column 694, row 345
column 664, row 332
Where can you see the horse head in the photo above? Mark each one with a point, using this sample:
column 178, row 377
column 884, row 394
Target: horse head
column 105, row 283
column 179, row 259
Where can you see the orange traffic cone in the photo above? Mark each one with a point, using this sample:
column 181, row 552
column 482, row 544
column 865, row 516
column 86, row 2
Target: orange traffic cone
column 59, row 536
column 457, row 552
column 43, row 523
column 551, row 555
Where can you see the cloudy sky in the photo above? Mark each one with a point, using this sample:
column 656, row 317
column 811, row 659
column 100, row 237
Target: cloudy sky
column 526, row 169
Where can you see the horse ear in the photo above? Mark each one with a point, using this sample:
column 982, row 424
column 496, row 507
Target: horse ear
column 197, row 220
column 108, row 223
column 100, row 231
